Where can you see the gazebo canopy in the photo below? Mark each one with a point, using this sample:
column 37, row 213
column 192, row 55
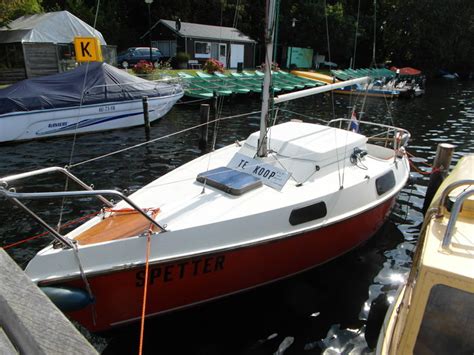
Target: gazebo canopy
column 50, row 27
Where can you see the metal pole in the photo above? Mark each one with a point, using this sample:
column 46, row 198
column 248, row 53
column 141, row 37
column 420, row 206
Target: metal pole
column 204, row 114
column 149, row 32
column 277, row 22
column 291, row 54
column 65, row 241
column 269, row 32
column 15, row 196
column 442, row 161
column 145, row 116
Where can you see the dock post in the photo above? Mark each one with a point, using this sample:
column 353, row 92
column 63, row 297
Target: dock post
column 145, row 117
column 29, row 322
column 204, row 114
column 442, row 161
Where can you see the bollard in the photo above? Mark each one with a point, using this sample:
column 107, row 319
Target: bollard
column 204, row 114
column 442, row 161
column 145, row 117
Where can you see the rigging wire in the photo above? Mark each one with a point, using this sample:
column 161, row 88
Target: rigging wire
column 375, row 33
column 158, row 139
column 236, row 14
column 74, row 139
column 332, row 93
column 355, row 36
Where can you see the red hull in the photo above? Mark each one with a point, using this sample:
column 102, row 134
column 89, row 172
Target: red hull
column 119, row 294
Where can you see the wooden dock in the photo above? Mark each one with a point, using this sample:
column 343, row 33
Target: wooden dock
column 29, row 322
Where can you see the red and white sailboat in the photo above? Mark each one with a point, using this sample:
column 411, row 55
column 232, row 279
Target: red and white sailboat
column 286, row 199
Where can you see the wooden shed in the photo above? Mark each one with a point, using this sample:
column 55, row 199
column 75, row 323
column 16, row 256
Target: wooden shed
column 42, row 44
column 202, row 42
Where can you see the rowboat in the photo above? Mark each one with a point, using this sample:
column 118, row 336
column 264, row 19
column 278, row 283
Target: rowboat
column 91, row 98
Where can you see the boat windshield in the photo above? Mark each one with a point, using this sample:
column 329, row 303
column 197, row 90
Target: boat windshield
column 447, row 322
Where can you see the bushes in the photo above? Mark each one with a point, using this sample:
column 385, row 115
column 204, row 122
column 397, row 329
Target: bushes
column 143, row 67
column 213, row 65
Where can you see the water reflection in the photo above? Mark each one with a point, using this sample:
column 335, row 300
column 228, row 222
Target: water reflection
column 323, row 310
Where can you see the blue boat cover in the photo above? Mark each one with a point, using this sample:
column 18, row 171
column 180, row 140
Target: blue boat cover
column 98, row 81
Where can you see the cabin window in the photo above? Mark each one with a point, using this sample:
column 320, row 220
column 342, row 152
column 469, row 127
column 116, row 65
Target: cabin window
column 230, row 181
column 447, row 323
column 385, row 183
column 308, row 213
column 202, row 50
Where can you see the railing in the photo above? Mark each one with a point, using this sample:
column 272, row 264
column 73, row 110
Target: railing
column 11, row 194
column 455, row 209
column 398, row 137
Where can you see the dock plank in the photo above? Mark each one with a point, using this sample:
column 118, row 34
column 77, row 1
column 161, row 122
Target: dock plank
column 32, row 323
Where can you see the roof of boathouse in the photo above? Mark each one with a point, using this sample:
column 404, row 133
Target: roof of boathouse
column 196, row 30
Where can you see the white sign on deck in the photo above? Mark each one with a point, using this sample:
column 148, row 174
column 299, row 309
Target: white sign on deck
column 270, row 175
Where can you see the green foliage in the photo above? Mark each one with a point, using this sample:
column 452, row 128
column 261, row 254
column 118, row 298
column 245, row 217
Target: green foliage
column 12, row 9
column 430, row 34
column 427, row 34
column 182, row 57
column 164, row 65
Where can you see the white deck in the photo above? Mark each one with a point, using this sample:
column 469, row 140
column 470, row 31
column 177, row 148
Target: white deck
column 201, row 220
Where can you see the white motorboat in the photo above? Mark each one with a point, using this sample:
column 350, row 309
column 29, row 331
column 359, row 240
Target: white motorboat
column 91, row 98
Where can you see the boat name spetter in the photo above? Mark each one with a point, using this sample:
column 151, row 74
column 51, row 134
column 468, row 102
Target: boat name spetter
column 270, row 175
column 178, row 271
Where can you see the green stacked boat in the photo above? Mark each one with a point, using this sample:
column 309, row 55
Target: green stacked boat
column 375, row 73
column 203, row 85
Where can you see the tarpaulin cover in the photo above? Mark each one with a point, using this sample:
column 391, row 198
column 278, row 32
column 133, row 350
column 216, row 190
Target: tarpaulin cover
column 50, row 27
column 100, row 82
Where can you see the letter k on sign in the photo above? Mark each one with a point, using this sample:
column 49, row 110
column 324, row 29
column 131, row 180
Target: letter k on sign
column 87, row 49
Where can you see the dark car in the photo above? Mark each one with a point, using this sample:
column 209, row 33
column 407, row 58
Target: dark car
column 133, row 55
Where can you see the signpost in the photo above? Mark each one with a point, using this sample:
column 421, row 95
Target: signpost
column 87, row 49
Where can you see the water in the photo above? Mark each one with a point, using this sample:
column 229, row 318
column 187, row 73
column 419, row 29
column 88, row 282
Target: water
column 323, row 310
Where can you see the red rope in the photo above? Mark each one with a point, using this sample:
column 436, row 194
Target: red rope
column 412, row 164
column 80, row 219
column 433, row 170
column 145, row 289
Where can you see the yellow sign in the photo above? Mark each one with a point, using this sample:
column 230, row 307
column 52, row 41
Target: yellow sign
column 87, row 49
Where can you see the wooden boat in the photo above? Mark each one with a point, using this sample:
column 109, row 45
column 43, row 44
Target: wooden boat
column 286, row 199
column 91, row 98
column 315, row 76
column 432, row 313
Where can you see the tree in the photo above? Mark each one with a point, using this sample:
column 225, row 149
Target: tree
column 12, row 9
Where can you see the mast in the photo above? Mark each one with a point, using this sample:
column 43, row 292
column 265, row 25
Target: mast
column 269, row 32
